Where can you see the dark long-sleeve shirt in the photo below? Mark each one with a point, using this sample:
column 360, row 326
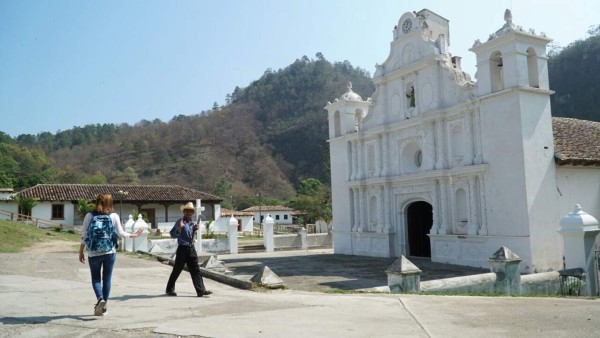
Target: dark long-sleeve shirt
column 185, row 236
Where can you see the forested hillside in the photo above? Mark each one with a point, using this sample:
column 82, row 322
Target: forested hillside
column 270, row 136
column 574, row 75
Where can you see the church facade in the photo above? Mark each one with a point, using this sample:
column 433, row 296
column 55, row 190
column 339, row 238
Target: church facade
column 437, row 165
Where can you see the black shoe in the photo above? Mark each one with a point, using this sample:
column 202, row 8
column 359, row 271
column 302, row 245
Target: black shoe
column 205, row 293
column 171, row 293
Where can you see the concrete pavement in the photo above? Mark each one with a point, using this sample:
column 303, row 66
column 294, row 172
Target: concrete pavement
column 50, row 294
column 321, row 270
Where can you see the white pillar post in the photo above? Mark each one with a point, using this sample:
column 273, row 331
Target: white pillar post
column 233, row 235
column 140, row 243
column 268, row 234
column 579, row 231
column 199, row 209
column 303, row 239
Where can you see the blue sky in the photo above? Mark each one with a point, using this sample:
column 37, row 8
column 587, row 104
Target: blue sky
column 66, row 63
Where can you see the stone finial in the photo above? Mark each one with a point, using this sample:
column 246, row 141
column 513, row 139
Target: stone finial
column 578, row 220
column 402, row 265
column 129, row 223
column 139, row 223
column 504, row 254
column 267, row 278
column 212, row 263
column 508, row 16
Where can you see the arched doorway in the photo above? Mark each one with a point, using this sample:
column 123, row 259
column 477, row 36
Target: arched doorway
column 419, row 219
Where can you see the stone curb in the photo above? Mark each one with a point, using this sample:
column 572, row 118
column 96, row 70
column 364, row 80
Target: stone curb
column 216, row 276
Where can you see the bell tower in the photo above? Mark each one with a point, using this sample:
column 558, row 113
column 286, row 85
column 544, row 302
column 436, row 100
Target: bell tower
column 346, row 113
column 517, row 142
column 512, row 57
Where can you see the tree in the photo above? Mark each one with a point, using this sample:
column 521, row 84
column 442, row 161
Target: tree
column 26, row 204
column 222, row 188
column 314, row 198
column 97, row 178
column 83, row 207
column 127, row 176
column 309, row 186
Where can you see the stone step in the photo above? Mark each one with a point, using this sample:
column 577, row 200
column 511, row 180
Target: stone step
column 251, row 248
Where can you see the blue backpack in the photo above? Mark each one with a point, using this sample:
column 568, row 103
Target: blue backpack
column 101, row 236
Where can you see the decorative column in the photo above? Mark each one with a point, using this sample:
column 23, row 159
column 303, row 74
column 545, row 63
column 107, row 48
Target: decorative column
column 354, row 175
column 232, row 235
column 385, row 155
column 428, row 147
column 269, row 241
column 473, row 224
column 356, row 208
column 440, row 145
column 378, row 156
column 361, row 160
column 483, row 231
column 386, row 209
column 380, row 223
column 477, row 137
column 444, row 207
column 361, row 209
column 468, row 158
column 579, row 231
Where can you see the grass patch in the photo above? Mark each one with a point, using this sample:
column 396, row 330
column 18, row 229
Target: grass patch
column 14, row 236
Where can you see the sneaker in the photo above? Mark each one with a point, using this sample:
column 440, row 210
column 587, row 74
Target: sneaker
column 105, row 311
column 99, row 308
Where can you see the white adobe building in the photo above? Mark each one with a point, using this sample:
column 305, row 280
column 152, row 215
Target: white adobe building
column 436, row 165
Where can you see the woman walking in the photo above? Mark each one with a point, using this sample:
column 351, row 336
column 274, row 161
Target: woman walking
column 99, row 237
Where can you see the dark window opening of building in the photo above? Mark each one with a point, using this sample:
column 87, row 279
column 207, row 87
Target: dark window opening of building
column 58, row 211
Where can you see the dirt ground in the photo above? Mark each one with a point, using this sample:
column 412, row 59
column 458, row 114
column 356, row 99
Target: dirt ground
column 52, row 246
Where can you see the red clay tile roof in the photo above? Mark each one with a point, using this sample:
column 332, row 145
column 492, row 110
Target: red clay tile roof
column 227, row 213
column 576, row 142
column 143, row 193
column 268, row 208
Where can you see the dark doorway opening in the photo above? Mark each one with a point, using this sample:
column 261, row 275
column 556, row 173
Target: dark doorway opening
column 151, row 217
column 419, row 219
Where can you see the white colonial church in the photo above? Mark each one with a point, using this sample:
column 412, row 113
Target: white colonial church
column 436, row 165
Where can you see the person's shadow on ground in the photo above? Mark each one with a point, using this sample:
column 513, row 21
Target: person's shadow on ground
column 83, row 318
column 128, row 297
column 44, row 319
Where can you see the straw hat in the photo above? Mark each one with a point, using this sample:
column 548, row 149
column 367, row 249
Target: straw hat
column 189, row 205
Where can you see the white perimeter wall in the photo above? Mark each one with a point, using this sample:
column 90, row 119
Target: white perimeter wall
column 578, row 185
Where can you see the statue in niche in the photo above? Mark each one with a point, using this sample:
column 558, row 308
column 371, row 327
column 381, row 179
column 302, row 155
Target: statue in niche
column 410, row 94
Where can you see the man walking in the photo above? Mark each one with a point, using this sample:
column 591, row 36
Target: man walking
column 184, row 230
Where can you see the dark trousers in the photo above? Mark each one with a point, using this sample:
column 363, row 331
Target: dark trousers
column 186, row 255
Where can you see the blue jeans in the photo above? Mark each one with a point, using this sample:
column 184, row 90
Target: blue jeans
column 104, row 264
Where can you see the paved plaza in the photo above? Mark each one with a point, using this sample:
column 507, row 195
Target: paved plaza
column 49, row 295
